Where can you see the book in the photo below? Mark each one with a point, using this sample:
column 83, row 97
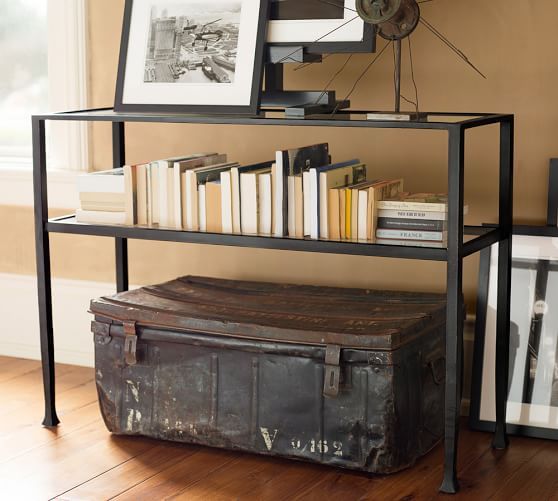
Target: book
column 370, row 197
column 191, row 180
column 348, row 212
column 103, row 207
column 306, row 202
column 178, row 168
column 425, row 202
column 411, row 214
column 334, row 228
column 299, row 207
column 342, row 214
column 411, row 243
column 296, row 207
column 106, row 181
column 154, row 201
column 131, row 194
column 235, row 188
column 289, row 163
column 390, row 223
column 291, row 215
column 265, row 221
column 321, row 181
column 226, row 203
column 166, row 190
column 434, row 236
column 201, row 212
column 141, row 179
column 101, row 197
column 185, row 206
column 99, row 217
column 249, row 200
column 213, row 213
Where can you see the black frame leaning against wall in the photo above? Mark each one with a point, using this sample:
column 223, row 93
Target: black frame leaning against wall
column 542, row 268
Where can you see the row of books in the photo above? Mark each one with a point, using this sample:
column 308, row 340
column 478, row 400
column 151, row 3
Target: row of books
column 300, row 194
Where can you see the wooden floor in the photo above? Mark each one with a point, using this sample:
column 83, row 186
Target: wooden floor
column 81, row 460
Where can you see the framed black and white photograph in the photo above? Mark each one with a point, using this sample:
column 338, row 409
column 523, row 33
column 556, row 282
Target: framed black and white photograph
column 331, row 26
column 532, row 407
column 197, row 56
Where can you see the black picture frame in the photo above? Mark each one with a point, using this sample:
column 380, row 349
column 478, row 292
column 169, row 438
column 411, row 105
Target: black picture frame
column 542, row 268
column 256, row 86
column 366, row 45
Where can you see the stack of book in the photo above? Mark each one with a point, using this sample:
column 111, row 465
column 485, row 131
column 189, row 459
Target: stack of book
column 107, row 197
column 413, row 219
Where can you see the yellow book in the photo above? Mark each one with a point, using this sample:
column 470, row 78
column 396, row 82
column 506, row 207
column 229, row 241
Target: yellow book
column 333, row 214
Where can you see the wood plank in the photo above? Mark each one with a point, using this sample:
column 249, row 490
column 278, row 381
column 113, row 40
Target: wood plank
column 174, row 480
column 14, row 367
column 483, row 477
column 48, row 471
column 540, row 471
column 131, row 473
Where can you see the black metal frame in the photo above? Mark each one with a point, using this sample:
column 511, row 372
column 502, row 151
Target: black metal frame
column 257, row 77
column 456, row 252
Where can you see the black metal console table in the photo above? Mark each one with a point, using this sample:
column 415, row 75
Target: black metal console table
column 462, row 241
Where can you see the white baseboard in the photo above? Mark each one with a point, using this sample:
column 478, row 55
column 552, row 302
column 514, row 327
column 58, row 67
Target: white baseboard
column 19, row 333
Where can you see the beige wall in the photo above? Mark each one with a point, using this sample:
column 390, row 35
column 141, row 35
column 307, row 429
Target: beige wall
column 513, row 46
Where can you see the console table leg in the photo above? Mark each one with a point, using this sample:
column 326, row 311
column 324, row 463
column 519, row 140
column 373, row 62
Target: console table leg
column 121, row 244
column 455, row 310
column 504, row 283
column 42, row 249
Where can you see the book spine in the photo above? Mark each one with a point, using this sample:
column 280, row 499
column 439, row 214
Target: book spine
column 388, row 223
column 409, row 214
column 412, row 206
column 435, row 236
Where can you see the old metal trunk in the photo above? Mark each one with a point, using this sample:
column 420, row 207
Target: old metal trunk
column 344, row 377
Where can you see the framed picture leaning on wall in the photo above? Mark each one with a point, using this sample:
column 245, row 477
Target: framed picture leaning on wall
column 192, row 56
column 532, row 408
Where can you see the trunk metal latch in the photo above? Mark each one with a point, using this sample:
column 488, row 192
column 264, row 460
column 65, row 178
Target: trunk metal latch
column 332, row 371
column 130, row 343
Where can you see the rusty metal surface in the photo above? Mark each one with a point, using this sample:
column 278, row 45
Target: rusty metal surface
column 271, row 397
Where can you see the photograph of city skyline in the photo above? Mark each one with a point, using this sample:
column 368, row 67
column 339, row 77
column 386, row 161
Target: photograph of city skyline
column 192, row 43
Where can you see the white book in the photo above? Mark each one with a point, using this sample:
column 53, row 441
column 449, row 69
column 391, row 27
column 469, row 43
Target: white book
column 265, row 223
column 155, row 192
column 306, row 198
column 278, row 229
column 107, row 181
column 291, row 223
column 235, row 200
column 99, row 217
column 177, row 195
column 362, row 233
column 149, row 200
column 226, row 202
column 164, row 219
column 314, row 206
column 249, row 200
column 201, row 208
column 141, row 173
column 249, row 204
